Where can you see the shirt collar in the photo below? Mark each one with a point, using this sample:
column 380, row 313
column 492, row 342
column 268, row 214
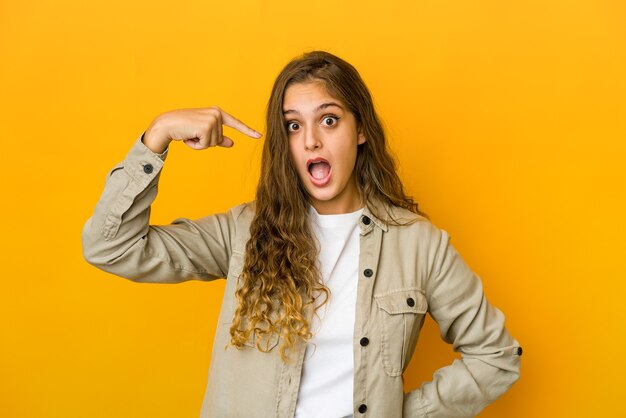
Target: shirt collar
column 374, row 220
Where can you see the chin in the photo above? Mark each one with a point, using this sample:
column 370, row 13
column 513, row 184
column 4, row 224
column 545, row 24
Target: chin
column 322, row 195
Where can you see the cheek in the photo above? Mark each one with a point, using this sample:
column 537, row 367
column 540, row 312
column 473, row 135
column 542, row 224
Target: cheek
column 349, row 156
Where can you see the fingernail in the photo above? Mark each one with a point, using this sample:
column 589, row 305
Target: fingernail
column 258, row 134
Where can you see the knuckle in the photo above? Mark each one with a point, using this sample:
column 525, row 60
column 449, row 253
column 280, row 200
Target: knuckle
column 210, row 123
column 215, row 117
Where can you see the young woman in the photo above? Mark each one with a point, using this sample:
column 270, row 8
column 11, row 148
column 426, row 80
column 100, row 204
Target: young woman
column 329, row 272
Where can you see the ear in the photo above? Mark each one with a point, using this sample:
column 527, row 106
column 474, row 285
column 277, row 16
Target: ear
column 361, row 138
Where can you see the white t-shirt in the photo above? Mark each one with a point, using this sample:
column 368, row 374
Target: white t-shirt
column 326, row 385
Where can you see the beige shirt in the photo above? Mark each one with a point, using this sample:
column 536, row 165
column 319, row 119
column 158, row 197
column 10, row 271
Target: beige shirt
column 405, row 272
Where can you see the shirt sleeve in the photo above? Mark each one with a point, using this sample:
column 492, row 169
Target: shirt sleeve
column 490, row 362
column 119, row 239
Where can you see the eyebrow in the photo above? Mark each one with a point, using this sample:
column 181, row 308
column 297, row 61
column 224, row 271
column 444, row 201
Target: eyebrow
column 320, row 107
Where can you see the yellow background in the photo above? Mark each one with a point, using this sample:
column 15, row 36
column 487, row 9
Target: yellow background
column 507, row 119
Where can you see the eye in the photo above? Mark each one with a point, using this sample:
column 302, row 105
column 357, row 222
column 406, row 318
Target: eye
column 292, row 126
column 330, row 120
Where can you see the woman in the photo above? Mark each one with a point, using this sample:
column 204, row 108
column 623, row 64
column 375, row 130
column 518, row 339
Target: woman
column 329, row 272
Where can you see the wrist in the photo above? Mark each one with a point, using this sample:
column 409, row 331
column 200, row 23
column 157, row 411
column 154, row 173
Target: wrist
column 155, row 139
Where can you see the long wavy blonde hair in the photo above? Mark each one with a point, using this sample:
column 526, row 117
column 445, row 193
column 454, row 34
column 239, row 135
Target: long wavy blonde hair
column 280, row 279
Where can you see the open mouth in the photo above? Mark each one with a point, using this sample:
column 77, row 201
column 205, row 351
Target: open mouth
column 319, row 171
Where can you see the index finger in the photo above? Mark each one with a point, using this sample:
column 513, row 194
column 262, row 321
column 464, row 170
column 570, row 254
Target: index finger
column 233, row 122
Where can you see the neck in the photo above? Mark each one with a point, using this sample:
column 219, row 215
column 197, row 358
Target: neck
column 338, row 207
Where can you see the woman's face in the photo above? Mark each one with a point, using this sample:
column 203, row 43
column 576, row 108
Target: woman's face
column 323, row 142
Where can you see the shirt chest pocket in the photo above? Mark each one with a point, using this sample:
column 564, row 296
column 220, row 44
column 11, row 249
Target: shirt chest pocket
column 401, row 314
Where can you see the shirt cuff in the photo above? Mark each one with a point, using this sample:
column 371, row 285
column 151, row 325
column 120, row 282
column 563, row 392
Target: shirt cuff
column 161, row 155
column 142, row 164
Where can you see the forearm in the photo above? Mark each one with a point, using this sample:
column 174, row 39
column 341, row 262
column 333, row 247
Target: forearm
column 465, row 387
column 119, row 239
column 490, row 362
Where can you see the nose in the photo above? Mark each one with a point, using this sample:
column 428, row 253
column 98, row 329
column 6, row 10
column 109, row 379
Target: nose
column 312, row 140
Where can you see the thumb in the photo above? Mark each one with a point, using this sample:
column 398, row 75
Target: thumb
column 226, row 142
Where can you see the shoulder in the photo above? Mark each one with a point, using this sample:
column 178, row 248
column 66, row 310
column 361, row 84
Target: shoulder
column 413, row 226
column 243, row 214
column 412, row 241
column 239, row 219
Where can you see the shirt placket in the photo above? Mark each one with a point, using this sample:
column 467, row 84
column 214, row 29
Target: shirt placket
column 289, row 382
column 369, row 254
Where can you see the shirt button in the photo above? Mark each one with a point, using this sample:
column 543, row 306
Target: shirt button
column 362, row 408
column 147, row 168
column 368, row 272
column 365, row 220
column 410, row 302
column 519, row 351
column 364, row 341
